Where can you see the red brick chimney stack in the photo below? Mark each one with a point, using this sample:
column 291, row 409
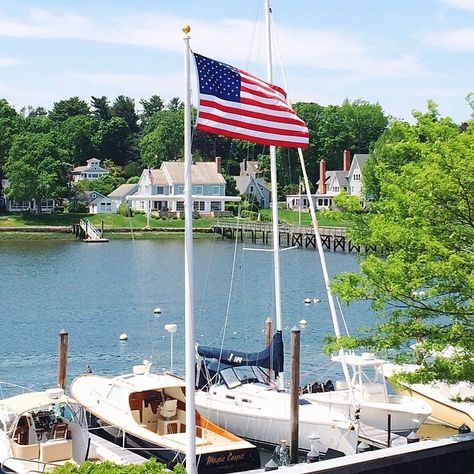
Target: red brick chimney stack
column 219, row 164
column 322, row 177
column 346, row 160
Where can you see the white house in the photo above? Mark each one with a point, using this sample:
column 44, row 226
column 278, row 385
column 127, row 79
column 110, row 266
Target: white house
column 251, row 182
column 331, row 183
column 12, row 205
column 163, row 188
column 91, row 171
column 100, row 204
column 119, row 195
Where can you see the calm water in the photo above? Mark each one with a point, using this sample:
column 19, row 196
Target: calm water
column 98, row 291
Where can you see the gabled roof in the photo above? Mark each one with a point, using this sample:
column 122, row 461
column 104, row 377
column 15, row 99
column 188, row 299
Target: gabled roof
column 358, row 160
column 123, row 190
column 202, row 172
column 243, row 182
column 157, row 177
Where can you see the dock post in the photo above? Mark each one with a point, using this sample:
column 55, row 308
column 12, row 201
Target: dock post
column 389, row 430
column 294, row 393
column 62, row 359
column 268, row 341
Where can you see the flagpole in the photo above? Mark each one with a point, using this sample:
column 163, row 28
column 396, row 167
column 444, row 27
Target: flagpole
column 188, row 269
column 274, row 178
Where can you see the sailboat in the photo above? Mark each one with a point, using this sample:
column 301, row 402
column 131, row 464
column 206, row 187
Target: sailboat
column 234, row 391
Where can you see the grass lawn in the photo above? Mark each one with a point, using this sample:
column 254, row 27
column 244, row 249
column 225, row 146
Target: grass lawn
column 139, row 221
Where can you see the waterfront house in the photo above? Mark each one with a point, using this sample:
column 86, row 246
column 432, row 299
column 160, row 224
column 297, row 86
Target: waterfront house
column 96, row 202
column 333, row 182
column 163, row 189
column 91, row 171
column 252, row 182
column 23, row 205
column 119, row 195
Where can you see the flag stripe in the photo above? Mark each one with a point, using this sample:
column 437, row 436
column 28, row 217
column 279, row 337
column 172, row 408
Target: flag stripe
column 233, row 132
column 251, row 124
column 253, row 112
column 237, row 104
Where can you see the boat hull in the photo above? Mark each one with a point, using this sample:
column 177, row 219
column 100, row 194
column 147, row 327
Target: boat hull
column 234, row 460
column 406, row 413
column 445, row 413
column 271, row 428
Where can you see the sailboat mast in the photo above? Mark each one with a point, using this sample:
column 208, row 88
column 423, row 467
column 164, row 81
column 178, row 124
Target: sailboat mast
column 274, row 179
column 188, row 268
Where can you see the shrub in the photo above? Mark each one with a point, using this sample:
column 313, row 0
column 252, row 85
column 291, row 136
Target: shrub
column 152, row 466
column 125, row 210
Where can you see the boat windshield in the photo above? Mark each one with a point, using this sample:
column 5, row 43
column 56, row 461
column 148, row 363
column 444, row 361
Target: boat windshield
column 236, row 376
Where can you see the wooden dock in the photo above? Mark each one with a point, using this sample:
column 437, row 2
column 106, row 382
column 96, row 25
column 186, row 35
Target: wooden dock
column 379, row 438
column 104, row 450
column 88, row 232
column 332, row 238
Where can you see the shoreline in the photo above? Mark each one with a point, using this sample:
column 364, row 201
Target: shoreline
column 116, row 233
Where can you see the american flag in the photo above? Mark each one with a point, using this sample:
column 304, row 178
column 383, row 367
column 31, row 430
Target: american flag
column 237, row 104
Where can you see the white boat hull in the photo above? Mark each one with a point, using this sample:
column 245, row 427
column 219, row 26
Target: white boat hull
column 263, row 416
column 407, row 414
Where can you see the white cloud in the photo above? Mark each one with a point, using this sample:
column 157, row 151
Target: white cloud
column 321, row 49
column 459, row 40
column 461, row 4
column 6, row 62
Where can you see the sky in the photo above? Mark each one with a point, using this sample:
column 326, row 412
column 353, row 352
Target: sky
column 397, row 53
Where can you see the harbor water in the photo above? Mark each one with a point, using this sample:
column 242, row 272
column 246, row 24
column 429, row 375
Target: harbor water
column 96, row 292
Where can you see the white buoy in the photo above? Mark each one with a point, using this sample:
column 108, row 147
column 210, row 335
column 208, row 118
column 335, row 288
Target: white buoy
column 307, row 301
column 123, row 337
column 157, row 310
column 303, row 322
column 317, row 300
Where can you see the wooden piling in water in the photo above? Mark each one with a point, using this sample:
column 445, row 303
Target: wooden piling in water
column 294, row 393
column 62, row 358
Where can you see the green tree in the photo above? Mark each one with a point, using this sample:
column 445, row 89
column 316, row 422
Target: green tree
column 422, row 286
column 112, row 140
column 35, row 168
column 165, row 141
column 64, row 109
column 101, row 108
column 151, row 107
column 124, row 107
column 75, row 136
column 9, row 126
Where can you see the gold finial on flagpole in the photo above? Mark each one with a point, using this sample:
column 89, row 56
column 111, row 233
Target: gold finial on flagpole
column 186, row 29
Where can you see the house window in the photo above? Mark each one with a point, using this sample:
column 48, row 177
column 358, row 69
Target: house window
column 251, row 189
column 200, row 190
column 216, row 190
column 180, row 206
column 180, row 189
column 160, row 190
column 215, row 206
column 356, row 176
column 199, row 206
column 336, row 189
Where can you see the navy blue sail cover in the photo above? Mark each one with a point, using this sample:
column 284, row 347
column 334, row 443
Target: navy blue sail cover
column 269, row 358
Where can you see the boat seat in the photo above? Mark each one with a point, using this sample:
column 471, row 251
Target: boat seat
column 56, row 450
column 26, row 451
column 59, row 431
column 21, row 435
column 168, row 409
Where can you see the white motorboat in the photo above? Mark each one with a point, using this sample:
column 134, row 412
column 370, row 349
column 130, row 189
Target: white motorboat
column 147, row 412
column 41, row 430
column 370, row 393
column 452, row 404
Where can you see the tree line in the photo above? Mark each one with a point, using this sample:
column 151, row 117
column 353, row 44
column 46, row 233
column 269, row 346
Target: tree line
column 39, row 147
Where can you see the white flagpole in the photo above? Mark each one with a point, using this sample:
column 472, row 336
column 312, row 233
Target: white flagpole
column 188, row 269
column 274, row 178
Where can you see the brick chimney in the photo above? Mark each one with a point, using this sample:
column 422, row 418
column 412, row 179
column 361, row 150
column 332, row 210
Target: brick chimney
column 219, row 164
column 322, row 177
column 346, row 160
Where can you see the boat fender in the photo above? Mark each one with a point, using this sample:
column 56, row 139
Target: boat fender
column 464, row 428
